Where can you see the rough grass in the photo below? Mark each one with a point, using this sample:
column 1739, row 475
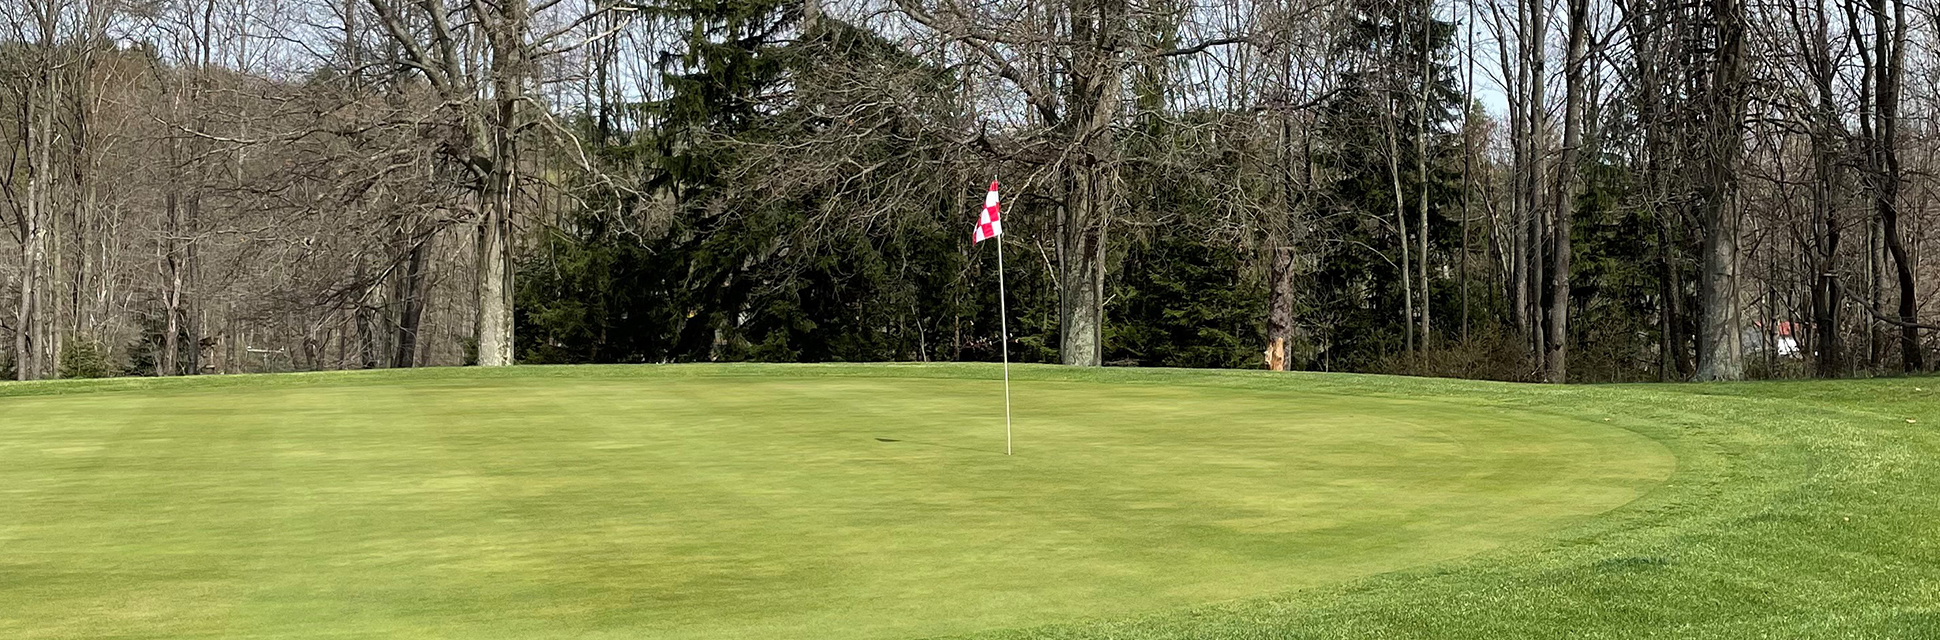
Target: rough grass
column 753, row 501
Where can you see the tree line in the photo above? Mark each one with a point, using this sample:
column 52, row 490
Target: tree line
column 1583, row 190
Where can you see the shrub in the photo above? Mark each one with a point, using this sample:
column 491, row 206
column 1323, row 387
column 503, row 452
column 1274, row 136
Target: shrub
column 84, row 358
column 1489, row 354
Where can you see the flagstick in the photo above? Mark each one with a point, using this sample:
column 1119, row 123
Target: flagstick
column 1003, row 321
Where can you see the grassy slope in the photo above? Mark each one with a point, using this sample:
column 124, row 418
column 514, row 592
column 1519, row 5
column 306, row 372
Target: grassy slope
column 1797, row 510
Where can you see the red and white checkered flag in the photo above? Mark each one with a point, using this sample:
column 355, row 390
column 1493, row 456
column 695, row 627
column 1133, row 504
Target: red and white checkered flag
column 989, row 225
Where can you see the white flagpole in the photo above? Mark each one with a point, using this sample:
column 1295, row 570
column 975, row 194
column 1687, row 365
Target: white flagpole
column 1003, row 321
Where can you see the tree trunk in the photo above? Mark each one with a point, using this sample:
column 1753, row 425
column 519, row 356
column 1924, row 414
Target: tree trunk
column 32, row 340
column 1720, row 353
column 495, row 339
column 1081, row 277
column 168, row 363
column 1771, row 316
column 1889, row 36
column 1826, row 299
column 1912, row 355
column 1534, row 244
column 1825, row 327
column 367, row 331
column 1468, row 164
column 1876, row 338
column 192, row 310
column 1091, row 177
column 411, row 307
column 1401, row 230
column 26, row 314
column 1829, row 353
column 495, row 278
column 1537, row 58
column 1421, row 172
column 1518, row 266
column 1670, row 329
column 1556, row 367
column 1518, row 213
column 1279, row 323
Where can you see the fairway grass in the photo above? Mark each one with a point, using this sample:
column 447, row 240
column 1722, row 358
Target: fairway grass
column 875, row 502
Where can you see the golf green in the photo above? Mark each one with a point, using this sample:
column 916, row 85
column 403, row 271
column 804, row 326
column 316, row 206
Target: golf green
column 770, row 502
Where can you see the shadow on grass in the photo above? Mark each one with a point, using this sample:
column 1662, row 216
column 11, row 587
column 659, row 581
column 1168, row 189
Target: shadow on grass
column 938, row 445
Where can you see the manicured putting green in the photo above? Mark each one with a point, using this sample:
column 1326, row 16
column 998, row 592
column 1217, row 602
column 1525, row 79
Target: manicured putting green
column 703, row 502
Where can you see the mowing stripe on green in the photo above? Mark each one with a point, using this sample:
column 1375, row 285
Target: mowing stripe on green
column 698, row 506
